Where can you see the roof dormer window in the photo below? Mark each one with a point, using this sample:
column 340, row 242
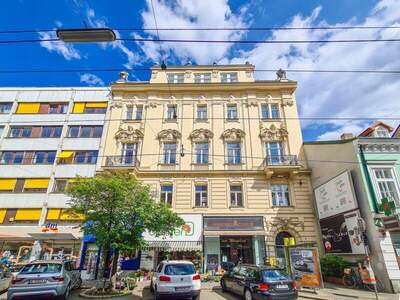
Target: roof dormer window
column 381, row 132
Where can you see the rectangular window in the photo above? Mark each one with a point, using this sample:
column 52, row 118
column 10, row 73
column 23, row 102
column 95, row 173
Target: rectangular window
column 386, row 184
column 280, row 195
column 85, row 131
column 85, row 157
column 36, row 185
column 201, row 112
column 229, row 77
column 201, row 195
column 234, row 153
column 169, row 153
column 28, row 108
column 73, row 131
column 139, row 112
column 274, row 152
column 89, row 108
column 274, row 111
column 202, row 78
column 51, row 132
column 12, row 157
column 57, row 108
column 175, row 78
column 129, row 112
column 1, row 131
column 264, row 111
column 5, row 107
column 171, row 112
column 129, row 152
column 201, row 150
column 236, row 196
column 60, row 185
column 232, row 112
column 166, row 194
column 20, row 132
column 44, row 157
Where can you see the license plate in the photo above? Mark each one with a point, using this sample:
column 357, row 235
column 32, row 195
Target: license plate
column 182, row 289
column 36, row 281
column 282, row 286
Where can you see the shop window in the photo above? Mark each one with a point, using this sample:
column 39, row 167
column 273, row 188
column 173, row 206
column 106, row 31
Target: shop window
column 201, row 199
column 280, row 195
column 236, row 196
column 171, row 113
column 169, row 153
column 201, row 151
column 202, row 78
column 229, row 77
column 233, row 153
column 166, row 194
column 386, row 185
column 274, row 111
column 201, row 112
column 232, row 113
column 175, row 78
column 5, row 107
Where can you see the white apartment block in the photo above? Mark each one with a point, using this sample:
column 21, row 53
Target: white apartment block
column 47, row 137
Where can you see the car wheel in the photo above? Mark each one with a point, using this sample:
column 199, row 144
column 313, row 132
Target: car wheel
column 223, row 285
column 248, row 295
column 66, row 294
column 78, row 284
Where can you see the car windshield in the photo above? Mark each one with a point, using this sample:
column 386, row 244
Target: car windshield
column 273, row 275
column 42, row 268
column 179, row 269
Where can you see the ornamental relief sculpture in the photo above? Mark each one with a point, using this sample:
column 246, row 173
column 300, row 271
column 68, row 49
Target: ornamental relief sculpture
column 233, row 134
column 286, row 224
column 128, row 134
column 201, row 135
column 273, row 132
column 167, row 135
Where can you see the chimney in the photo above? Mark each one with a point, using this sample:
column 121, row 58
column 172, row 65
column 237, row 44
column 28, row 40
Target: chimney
column 346, row 136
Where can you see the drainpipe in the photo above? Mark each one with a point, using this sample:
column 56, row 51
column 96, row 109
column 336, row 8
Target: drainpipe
column 368, row 179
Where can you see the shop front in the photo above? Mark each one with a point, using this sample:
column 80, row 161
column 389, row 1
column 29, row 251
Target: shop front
column 185, row 243
column 233, row 240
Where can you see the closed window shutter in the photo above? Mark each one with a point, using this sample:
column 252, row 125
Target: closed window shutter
column 79, row 107
column 36, row 131
column 28, row 157
column 28, row 108
column 96, row 104
column 28, row 214
column 36, row 183
column 53, row 214
column 3, row 212
column 44, row 108
column 7, row 184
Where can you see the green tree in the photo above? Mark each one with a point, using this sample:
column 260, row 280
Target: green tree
column 117, row 209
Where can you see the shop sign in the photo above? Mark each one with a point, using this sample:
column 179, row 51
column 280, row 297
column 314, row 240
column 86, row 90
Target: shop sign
column 50, row 227
column 341, row 234
column 335, row 196
column 249, row 223
column 305, row 266
column 190, row 231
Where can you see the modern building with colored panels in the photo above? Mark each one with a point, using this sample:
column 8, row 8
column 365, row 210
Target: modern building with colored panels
column 373, row 160
column 224, row 151
column 47, row 137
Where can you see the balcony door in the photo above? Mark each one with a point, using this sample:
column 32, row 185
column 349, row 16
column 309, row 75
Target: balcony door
column 274, row 153
column 129, row 153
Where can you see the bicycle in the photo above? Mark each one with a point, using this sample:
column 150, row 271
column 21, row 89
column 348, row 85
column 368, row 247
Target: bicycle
column 352, row 279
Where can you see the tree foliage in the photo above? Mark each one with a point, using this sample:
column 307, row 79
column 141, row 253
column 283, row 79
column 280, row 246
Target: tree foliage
column 333, row 266
column 117, row 209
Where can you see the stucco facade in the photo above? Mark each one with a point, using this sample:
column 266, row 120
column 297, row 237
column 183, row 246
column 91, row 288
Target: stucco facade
column 179, row 109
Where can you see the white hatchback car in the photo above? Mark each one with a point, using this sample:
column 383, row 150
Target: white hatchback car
column 177, row 279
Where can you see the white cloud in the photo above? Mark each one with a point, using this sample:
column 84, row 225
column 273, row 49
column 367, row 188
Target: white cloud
column 132, row 57
column 338, row 95
column 66, row 50
column 91, row 80
column 191, row 14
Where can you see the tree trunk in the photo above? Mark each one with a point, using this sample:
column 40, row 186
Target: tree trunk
column 114, row 263
column 106, row 263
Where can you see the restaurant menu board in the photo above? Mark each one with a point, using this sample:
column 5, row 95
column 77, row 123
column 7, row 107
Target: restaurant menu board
column 305, row 266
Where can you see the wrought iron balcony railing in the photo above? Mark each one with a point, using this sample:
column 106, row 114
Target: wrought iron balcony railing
column 122, row 161
column 281, row 160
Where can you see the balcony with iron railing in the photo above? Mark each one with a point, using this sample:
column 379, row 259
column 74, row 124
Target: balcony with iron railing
column 126, row 161
column 281, row 164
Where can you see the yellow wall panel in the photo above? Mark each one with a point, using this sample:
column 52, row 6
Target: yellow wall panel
column 28, row 108
column 28, row 214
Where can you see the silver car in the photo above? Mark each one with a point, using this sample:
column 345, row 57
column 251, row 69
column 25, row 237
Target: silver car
column 50, row 278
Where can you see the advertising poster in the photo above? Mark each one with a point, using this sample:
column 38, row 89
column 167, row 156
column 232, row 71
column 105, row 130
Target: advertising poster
column 212, row 262
column 305, row 266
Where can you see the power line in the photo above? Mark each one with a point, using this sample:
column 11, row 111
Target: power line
column 17, row 31
column 146, row 40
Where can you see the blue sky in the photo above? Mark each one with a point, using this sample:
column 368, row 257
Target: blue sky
column 330, row 95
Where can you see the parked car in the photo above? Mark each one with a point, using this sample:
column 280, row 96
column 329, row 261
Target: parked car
column 176, row 278
column 259, row 282
column 45, row 278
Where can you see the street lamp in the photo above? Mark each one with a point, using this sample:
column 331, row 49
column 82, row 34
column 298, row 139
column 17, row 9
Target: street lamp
column 86, row 35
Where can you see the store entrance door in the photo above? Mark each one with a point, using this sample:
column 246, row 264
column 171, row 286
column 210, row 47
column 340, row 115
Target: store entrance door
column 237, row 249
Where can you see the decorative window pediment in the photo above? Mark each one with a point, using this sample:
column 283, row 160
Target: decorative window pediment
column 128, row 134
column 233, row 134
column 169, row 135
column 201, row 135
column 273, row 133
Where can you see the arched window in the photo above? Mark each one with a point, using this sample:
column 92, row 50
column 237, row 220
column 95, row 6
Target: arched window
column 280, row 249
column 280, row 238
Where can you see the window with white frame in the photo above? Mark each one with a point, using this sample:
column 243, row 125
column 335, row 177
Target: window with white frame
column 129, row 112
column 381, row 132
column 5, row 107
column 233, row 153
column 169, row 153
column 274, row 111
column 386, row 185
column 280, row 195
column 139, row 112
column 166, row 194
column 274, row 151
column 201, row 112
column 231, row 112
column 201, row 195
column 128, row 153
column 171, row 112
column 264, row 111
column 236, row 195
column 202, row 78
column 229, row 77
column 201, row 151
column 175, row 78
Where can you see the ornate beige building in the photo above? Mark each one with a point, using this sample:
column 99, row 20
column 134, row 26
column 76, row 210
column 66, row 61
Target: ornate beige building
column 224, row 150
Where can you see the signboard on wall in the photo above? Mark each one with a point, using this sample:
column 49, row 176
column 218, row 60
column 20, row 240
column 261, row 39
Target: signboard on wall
column 341, row 234
column 335, row 196
column 234, row 223
column 305, row 266
column 190, row 231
